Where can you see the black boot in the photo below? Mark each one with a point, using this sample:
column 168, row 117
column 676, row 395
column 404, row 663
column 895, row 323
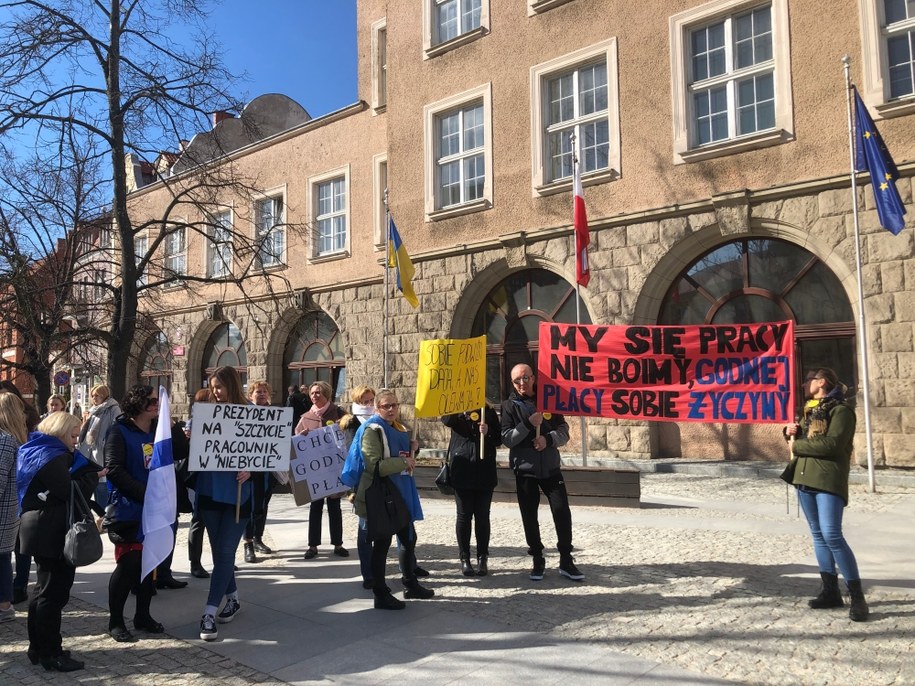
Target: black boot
column 482, row 566
column 249, row 553
column 830, row 595
column 467, row 568
column 858, row 612
column 384, row 600
column 414, row 591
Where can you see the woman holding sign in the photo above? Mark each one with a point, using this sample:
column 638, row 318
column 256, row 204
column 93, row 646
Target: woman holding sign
column 322, row 413
column 217, row 493
column 473, row 477
column 384, row 441
column 823, row 447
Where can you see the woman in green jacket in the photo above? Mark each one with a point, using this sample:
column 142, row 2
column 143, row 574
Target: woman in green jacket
column 823, row 447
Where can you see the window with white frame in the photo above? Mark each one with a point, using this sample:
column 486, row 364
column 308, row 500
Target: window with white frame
column 900, row 47
column 730, row 61
column 330, row 216
column 379, row 188
column 450, row 23
column 888, row 55
column 219, row 246
column 380, row 64
column 459, row 153
column 175, row 252
column 270, row 231
column 140, row 246
column 576, row 112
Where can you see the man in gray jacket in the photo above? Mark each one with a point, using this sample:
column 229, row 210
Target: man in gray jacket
column 533, row 443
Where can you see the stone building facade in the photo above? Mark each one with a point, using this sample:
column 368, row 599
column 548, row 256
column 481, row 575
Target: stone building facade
column 714, row 143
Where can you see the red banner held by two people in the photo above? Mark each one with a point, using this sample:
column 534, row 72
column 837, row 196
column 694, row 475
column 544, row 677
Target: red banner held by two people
column 735, row 373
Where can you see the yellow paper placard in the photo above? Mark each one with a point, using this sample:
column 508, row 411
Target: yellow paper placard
column 451, row 376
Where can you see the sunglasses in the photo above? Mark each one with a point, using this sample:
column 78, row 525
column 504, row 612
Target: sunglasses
column 389, row 406
column 152, row 401
column 522, row 379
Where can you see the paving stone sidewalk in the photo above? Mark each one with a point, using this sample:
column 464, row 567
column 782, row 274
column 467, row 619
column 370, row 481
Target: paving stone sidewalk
column 711, row 576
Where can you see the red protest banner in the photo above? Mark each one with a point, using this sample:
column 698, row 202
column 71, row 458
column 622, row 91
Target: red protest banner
column 735, row 373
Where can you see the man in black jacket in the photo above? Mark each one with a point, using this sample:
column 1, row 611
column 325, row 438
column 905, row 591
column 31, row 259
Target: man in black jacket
column 533, row 443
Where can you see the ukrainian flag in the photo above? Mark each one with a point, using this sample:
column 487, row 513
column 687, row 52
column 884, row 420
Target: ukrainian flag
column 400, row 260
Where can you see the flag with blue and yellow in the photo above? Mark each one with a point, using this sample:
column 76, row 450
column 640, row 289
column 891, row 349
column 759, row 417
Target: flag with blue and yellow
column 871, row 155
column 400, row 260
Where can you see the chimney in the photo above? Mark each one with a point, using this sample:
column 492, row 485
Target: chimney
column 219, row 116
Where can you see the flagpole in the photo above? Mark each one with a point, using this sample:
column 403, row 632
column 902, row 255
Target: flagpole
column 387, row 268
column 584, row 427
column 862, row 324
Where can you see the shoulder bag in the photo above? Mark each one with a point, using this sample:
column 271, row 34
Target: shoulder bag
column 386, row 512
column 83, row 542
column 443, row 480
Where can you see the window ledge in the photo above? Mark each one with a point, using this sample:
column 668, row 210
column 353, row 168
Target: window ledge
column 330, row 257
column 455, row 42
column 897, row 108
column 380, row 109
column 565, row 185
column 734, row 145
column 458, row 210
column 539, row 6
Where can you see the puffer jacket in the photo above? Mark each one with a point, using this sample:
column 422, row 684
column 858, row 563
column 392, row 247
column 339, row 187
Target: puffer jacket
column 518, row 436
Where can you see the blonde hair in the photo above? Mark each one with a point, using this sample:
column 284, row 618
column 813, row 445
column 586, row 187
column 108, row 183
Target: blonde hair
column 358, row 392
column 260, row 383
column 385, row 393
column 12, row 417
column 102, row 390
column 55, row 396
column 60, row 425
column 326, row 390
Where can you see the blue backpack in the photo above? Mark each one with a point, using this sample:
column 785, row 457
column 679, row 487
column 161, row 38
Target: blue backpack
column 353, row 467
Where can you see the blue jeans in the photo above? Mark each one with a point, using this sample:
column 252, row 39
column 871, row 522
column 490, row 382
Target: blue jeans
column 224, row 534
column 824, row 517
column 6, row 577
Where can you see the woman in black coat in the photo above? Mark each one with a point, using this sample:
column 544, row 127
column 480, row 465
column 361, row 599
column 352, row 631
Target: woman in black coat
column 474, row 480
column 46, row 465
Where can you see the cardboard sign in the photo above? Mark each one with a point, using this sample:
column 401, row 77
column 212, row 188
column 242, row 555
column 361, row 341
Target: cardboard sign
column 451, row 376
column 316, row 464
column 736, row 373
column 232, row 438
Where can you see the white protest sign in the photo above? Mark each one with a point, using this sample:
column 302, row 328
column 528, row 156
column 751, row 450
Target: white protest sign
column 317, row 463
column 232, row 438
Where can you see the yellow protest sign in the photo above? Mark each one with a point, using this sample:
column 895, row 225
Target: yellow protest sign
column 451, row 376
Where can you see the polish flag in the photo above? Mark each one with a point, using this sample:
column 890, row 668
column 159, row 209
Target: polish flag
column 582, row 236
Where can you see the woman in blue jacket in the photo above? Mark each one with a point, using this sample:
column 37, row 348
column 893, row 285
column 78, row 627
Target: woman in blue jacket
column 46, row 464
column 216, row 495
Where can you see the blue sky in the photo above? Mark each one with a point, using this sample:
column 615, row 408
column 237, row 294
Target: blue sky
column 305, row 49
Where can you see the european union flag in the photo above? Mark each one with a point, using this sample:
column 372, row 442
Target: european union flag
column 872, row 156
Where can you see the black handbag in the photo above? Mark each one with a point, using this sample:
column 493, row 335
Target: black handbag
column 443, row 480
column 386, row 512
column 83, row 542
column 788, row 475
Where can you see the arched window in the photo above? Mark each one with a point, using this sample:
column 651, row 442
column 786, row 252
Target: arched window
column 225, row 348
column 510, row 317
column 314, row 352
column 761, row 279
column 156, row 362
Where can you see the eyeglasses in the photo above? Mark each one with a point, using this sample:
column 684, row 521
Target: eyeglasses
column 389, row 406
column 522, row 379
column 152, row 401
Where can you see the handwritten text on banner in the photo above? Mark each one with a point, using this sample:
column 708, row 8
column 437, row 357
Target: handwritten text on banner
column 738, row 373
column 230, row 438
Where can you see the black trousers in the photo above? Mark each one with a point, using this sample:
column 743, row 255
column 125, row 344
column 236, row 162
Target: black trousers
column 554, row 488
column 195, row 534
column 55, row 579
column 255, row 527
column 126, row 576
column 472, row 511
column 334, row 520
column 380, row 549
